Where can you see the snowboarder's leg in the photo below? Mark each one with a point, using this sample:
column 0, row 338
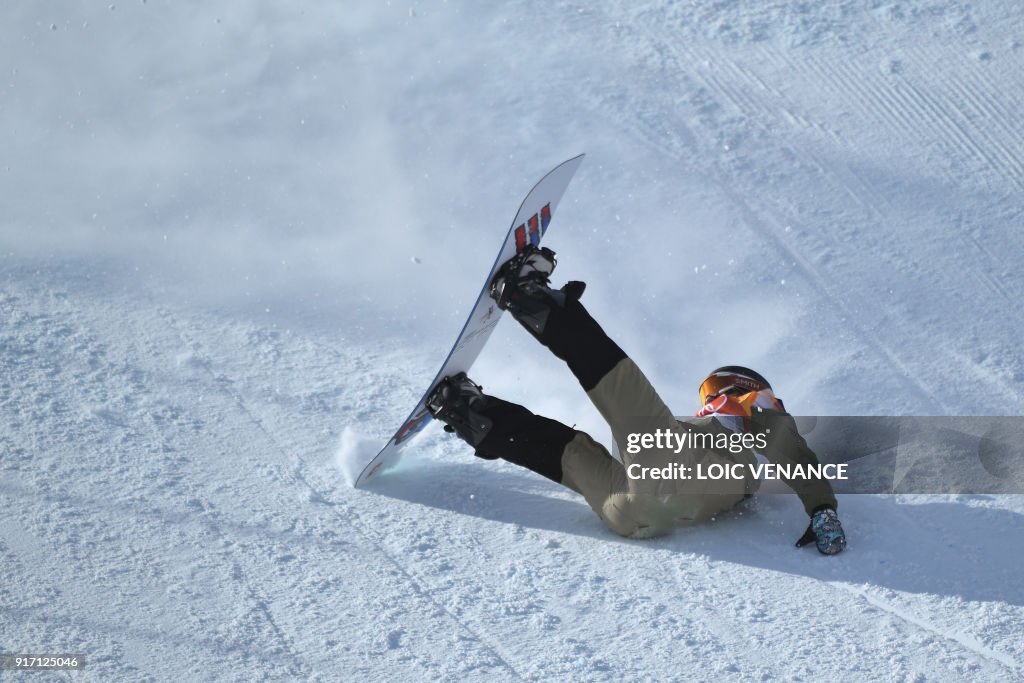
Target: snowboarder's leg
column 555, row 317
column 499, row 429
column 581, row 464
column 629, row 404
column 525, row 439
column 614, row 383
column 589, row 469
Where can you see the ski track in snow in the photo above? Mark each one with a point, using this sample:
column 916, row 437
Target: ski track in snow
column 967, row 642
column 188, row 328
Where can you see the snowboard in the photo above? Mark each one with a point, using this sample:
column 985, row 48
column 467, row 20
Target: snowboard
column 530, row 224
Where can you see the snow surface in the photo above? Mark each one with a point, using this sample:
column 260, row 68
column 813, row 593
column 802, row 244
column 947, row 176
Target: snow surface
column 237, row 239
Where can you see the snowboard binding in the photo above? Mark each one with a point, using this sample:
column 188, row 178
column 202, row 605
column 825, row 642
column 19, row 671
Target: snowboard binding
column 456, row 401
column 521, row 287
column 528, row 272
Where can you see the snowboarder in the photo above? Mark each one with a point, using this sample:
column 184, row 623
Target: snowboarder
column 735, row 401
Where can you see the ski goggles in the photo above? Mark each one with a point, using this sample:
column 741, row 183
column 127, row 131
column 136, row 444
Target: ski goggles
column 727, row 383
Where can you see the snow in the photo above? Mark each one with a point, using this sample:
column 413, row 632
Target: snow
column 237, row 239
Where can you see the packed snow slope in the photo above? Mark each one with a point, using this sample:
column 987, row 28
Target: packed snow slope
column 237, row 239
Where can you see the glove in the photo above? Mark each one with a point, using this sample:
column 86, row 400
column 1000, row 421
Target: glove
column 825, row 531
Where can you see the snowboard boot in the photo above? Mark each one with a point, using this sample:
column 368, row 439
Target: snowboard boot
column 457, row 401
column 521, row 286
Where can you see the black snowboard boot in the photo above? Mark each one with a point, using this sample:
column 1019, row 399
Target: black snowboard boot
column 457, row 401
column 521, row 287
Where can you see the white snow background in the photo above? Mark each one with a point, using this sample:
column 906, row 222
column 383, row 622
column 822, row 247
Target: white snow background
column 237, row 240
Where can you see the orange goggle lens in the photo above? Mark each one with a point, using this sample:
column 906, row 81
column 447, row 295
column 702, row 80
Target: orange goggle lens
column 726, row 383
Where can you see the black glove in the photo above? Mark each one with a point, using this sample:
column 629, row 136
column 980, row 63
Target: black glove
column 825, row 531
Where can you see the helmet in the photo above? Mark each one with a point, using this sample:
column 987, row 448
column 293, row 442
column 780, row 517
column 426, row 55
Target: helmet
column 731, row 379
